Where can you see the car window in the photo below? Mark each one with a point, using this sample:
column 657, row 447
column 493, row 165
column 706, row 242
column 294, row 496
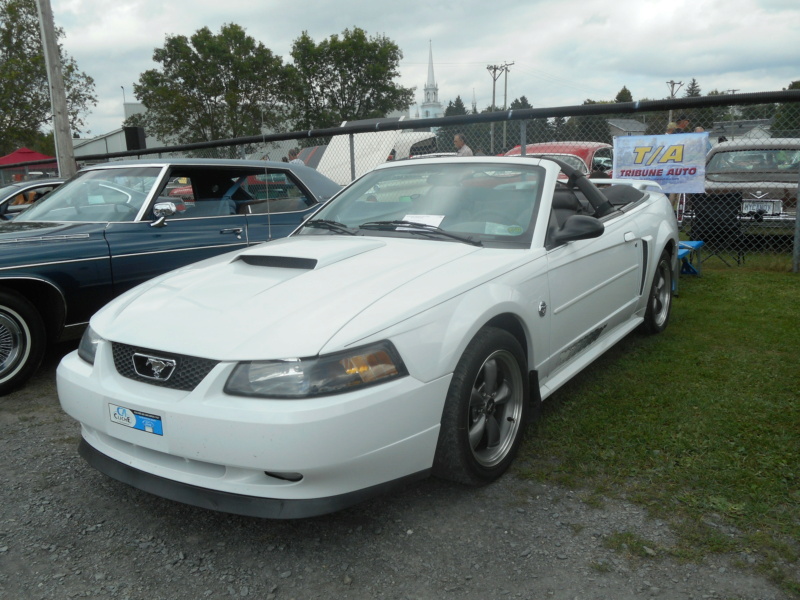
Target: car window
column 739, row 161
column 203, row 196
column 489, row 202
column 28, row 195
column 102, row 195
column 233, row 191
column 275, row 193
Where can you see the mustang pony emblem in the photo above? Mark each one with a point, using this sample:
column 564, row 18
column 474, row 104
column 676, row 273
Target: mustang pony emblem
column 153, row 367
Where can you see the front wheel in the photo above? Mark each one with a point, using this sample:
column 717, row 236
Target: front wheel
column 22, row 341
column 485, row 410
column 659, row 300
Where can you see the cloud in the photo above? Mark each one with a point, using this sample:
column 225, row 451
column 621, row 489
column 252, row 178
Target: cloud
column 563, row 52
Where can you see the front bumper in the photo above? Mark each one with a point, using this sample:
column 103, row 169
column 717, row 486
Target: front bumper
column 250, row 506
column 258, row 457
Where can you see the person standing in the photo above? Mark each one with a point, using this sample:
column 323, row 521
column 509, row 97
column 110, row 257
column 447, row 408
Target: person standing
column 293, row 160
column 461, row 145
column 683, row 124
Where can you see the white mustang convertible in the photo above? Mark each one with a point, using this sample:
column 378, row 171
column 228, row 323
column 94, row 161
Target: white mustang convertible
column 412, row 326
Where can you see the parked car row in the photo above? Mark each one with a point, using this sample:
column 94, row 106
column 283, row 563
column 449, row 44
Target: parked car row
column 411, row 325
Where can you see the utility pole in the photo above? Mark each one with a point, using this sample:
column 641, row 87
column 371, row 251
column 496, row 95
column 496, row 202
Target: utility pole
column 505, row 100
column 495, row 71
column 58, row 97
column 672, row 91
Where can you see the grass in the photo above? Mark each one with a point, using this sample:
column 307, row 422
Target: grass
column 700, row 424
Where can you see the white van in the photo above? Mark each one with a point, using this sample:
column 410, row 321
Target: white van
column 371, row 149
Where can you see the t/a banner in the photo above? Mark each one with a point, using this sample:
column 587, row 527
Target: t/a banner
column 677, row 161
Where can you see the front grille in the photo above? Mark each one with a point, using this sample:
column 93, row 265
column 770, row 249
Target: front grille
column 189, row 370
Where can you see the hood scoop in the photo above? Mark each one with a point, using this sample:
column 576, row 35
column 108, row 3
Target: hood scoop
column 308, row 254
column 281, row 262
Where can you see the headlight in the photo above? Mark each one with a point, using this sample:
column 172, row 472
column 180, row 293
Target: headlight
column 87, row 349
column 318, row 376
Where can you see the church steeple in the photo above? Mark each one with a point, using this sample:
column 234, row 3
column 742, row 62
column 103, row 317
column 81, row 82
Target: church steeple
column 431, row 89
column 430, row 102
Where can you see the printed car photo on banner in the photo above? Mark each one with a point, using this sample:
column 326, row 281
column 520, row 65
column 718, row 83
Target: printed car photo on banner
column 676, row 162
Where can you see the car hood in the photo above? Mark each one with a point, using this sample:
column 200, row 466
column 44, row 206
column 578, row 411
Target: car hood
column 34, row 242
column 290, row 297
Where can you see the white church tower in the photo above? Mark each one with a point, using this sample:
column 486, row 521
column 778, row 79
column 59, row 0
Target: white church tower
column 430, row 107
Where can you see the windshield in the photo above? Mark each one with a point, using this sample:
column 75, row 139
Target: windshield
column 489, row 204
column 743, row 161
column 105, row 195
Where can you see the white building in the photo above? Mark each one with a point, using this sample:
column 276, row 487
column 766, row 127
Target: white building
column 118, row 140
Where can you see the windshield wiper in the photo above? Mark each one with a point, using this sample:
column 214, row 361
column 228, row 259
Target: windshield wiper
column 330, row 226
column 419, row 229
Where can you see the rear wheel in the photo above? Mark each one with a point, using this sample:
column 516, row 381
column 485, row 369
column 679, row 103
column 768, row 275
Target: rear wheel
column 22, row 341
column 485, row 410
column 659, row 301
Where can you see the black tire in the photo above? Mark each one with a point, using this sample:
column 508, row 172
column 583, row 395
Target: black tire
column 22, row 341
column 485, row 411
column 659, row 299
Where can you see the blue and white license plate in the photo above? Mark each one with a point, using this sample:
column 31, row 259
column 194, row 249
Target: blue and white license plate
column 764, row 207
column 136, row 419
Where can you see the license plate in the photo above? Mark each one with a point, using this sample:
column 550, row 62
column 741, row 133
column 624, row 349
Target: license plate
column 135, row 419
column 765, row 208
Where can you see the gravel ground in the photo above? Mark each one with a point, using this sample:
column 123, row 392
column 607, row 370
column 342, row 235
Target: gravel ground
column 67, row 531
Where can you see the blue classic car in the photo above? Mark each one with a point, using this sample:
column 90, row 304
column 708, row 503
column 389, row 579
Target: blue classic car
column 115, row 225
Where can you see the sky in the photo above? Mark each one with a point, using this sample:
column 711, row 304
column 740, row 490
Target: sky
column 563, row 51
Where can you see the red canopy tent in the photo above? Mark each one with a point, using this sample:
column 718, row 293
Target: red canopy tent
column 23, row 155
column 21, row 171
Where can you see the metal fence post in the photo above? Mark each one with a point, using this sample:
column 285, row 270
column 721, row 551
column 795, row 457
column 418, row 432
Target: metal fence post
column 352, row 157
column 796, row 253
column 522, row 137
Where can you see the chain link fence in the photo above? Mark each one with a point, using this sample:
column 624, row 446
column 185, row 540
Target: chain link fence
column 752, row 158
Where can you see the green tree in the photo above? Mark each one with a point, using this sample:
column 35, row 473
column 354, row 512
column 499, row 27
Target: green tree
column 345, row 78
column 624, row 95
column 536, row 130
column 592, row 128
column 455, row 107
column 692, row 90
column 787, row 117
column 520, row 103
column 444, row 135
column 25, row 107
column 212, row 87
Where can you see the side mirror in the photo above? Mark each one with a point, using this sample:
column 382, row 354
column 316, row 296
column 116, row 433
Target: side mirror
column 578, row 227
column 162, row 210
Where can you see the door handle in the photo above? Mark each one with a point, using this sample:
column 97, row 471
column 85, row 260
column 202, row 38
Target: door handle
column 235, row 230
column 629, row 236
